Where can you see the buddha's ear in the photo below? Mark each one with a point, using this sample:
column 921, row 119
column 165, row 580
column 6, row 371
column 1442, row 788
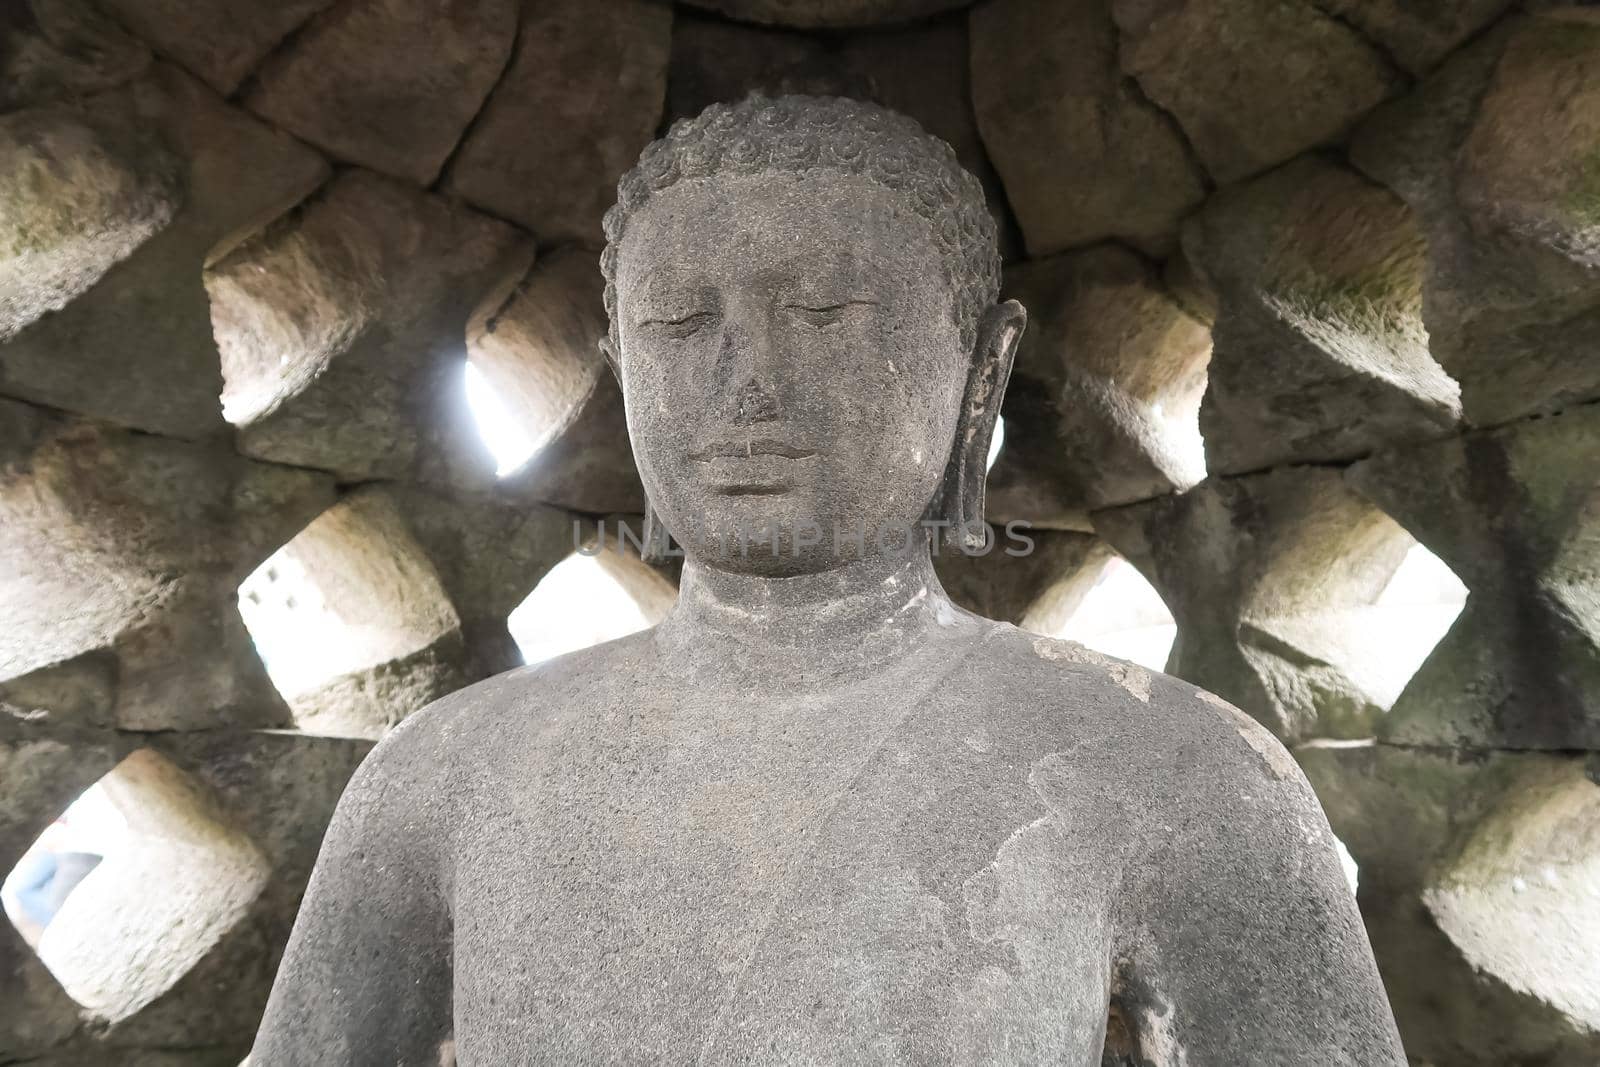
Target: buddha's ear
column 999, row 330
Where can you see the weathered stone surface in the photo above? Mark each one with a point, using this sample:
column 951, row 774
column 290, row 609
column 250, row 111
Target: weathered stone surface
column 354, row 624
column 42, row 775
column 78, row 197
column 1106, row 389
column 53, row 50
column 221, row 40
column 136, row 347
column 131, row 546
column 1084, row 156
column 581, row 97
column 488, row 553
column 813, row 14
column 1321, row 353
column 393, row 598
column 1444, row 840
column 1271, row 579
column 539, row 347
column 1252, row 82
column 715, row 61
column 1496, row 152
column 189, row 799
column 817, row 766
column 341, row 329
column 388, row 84
column 1037, row 591
column 1416, row 36
column 1515, row 513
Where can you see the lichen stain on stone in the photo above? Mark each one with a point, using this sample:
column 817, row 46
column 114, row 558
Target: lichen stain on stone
column 1274, row 755
column 1133, row 678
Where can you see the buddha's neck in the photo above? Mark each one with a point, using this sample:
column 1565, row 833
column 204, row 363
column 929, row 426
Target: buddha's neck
column 829, row 625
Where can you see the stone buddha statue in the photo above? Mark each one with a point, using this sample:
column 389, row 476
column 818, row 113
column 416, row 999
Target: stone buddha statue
column 820, row 813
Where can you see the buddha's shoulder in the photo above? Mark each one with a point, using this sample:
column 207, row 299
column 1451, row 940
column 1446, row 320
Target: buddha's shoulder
column 1138, row 721
column 528, row 706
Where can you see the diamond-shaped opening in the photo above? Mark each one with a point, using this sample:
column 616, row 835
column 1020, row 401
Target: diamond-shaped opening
column 511, row 440
column 132, row 886
column 1413, row 613
column 586, row 600
column 350, row 593
column 1123, row 616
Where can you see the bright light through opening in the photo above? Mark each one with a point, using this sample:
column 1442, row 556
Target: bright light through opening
column 1123, row 616
column 578, row 604
column 996, row 442
column 508, row 442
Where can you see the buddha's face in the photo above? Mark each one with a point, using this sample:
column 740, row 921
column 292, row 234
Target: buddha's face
column 791, row 362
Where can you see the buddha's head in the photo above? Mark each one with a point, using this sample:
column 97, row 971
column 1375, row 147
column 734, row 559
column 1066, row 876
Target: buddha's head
column 802, row 294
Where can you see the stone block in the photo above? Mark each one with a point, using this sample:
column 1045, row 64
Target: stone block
column 1105, row 391
column 221, row 41
column 1476, row 886
column 1416, row 36
column 79, row 196
column 581, row 97
column 136, row 347
column 1515, row 512
column 538, row 346
column 1252, row 82
column 1495, row 152
column 1083, row 154
column 388, row 84
column 121, row 553
column 59, row 49
column 1321, row 353
column 342, row 326
column 1271, row 579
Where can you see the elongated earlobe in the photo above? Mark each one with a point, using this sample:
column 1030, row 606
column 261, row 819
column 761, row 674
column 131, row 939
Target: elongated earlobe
column 962, row 495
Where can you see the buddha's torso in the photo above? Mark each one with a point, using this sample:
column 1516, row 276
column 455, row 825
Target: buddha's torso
column 916, row 867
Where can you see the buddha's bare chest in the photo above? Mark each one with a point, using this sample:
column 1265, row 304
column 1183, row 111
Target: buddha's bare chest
column 752, row 899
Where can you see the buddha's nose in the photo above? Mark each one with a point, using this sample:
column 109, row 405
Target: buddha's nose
column 754, row 403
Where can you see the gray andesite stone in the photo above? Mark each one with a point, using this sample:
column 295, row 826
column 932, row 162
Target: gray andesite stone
column 1416, row 36
column 538, row 346
column 388, row 84
column 122, row 553
column 79, row 197
column 342, row 330
column 1496, row 154
column 1321, row 353
column 1515, row 513
column 581, row 96
column 58, row 49
column 140, row 337
column 820, row 809
column 1084, row 155
column 1109, row 378
column 719, row 62
column 195, row 803
column 221, row 41
column 1252, row 82
column 1271, row 579
column 1467, row 859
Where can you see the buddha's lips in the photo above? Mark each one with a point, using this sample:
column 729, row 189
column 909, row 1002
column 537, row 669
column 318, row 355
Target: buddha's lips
column 749, row 449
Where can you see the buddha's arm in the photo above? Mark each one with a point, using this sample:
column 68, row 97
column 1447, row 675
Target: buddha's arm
column 1246, row 947
column 366, row 977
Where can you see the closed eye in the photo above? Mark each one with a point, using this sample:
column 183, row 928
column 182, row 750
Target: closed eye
column 683, row 326
column 826, row 314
